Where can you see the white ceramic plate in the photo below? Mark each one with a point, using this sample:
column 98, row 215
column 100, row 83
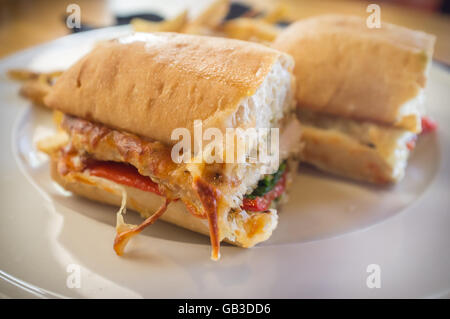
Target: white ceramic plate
column 328, row 233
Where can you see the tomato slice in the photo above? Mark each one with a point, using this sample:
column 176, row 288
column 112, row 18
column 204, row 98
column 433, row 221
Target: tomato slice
column 262, row 203
column 428, row 125
column 258, row 204
column 124, row 174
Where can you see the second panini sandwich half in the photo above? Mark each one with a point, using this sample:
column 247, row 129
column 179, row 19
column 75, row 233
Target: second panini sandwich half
column 360, row 94
column 117, row 108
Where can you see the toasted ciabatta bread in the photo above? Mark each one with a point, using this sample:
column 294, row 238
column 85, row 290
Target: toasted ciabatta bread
column 150, row 84
column 346, row 69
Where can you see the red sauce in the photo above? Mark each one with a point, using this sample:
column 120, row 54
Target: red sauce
column 428, row 125
column 123, row 174
column 260, row 204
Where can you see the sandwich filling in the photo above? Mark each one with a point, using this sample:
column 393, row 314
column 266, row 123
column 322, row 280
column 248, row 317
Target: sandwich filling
column 94, row 150
column 145, row 88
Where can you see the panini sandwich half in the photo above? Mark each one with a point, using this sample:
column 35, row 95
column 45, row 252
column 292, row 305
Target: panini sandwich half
column 118, row 106
column 360, row 94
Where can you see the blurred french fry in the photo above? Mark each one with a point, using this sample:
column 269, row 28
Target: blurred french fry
column 250, row 30
column 174, row 25
column 22, row 75
column 210, row 19
column 35, row 91
column 53, row 143
column 35, row 85
column 25, row 75
column 276, row 14
column 211, row 22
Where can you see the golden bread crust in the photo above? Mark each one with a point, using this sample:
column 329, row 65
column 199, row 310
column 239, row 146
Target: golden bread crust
column 150, row 84
column 344, row 68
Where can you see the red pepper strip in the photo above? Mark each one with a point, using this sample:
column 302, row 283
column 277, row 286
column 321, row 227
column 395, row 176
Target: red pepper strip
column 260, row 204
column 128, row 175
column 123, row 174
column 428, row 125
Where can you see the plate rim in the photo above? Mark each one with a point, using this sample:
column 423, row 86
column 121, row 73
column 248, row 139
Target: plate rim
column 15, row 152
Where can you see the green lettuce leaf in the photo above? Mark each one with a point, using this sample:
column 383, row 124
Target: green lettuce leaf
column 266, row 184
